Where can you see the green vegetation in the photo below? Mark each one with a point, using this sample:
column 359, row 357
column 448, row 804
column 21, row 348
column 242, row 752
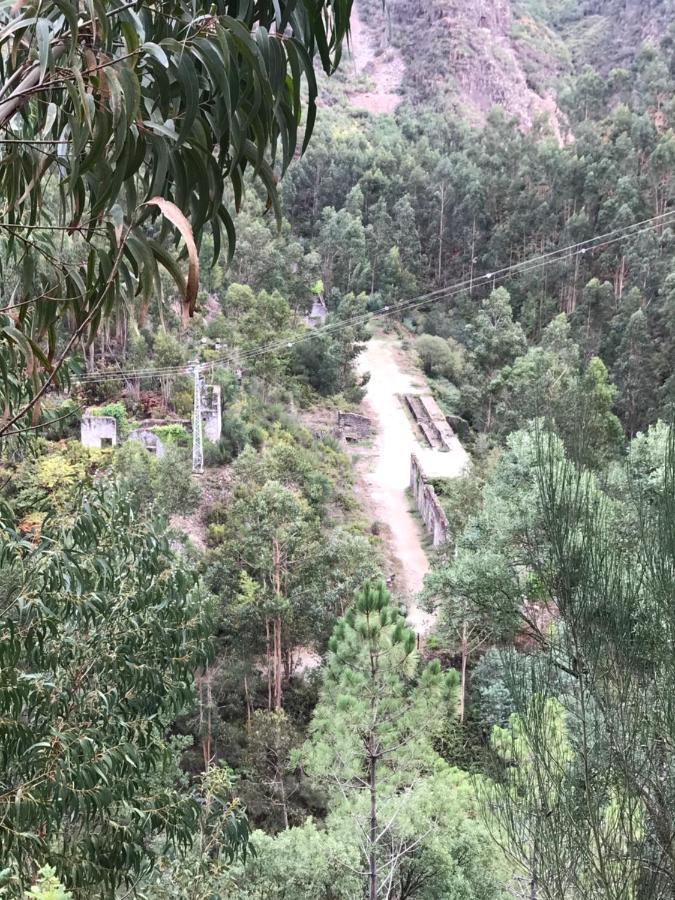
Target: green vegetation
column 171, row 434
column 144, row 98
column 116, row 411
column 103, row 633
column 207, row 689
column 589, row 598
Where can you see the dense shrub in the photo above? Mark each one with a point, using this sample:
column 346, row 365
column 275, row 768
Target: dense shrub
column 167, row 482
column 173, row 434
column 173, row 482
column 439, row 357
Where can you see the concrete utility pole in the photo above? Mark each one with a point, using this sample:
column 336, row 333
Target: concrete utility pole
column 197, row 426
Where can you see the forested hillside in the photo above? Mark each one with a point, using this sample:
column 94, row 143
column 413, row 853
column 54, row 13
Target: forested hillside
column 215, row 681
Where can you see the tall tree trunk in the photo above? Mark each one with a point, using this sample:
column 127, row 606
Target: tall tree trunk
column 269, row 664
column 465, row 656
column 87, row 356
column 209, row 725
column 619, row 279
column 247, row 697
column 473, row 255
column 284, row 802
column 441, row 229
column 573, row 296
column 534, row 868
column 373, row 755
column 205, row 726
column 278, row 663
column 278, row 660
column 372, row 787
column 315, row 195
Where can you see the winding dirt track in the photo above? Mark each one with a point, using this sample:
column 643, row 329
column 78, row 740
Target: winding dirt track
column 386, row 470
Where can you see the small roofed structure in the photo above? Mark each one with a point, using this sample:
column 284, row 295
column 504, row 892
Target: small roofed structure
column 318, row 313
column 98, row 431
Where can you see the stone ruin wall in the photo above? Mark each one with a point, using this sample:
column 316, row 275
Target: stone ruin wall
column 428, row 504
column 149, row 441
column 212, row 415
column 354, row 427
column 431, row 421
column 96, row 429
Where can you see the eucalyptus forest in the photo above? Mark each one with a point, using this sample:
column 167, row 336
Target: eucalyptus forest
column 337, row 462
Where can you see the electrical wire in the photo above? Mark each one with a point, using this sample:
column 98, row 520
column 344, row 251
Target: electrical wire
column 526, row 266
column 562, row 254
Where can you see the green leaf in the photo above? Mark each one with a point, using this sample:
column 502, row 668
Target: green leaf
column 70, row 12
column 268, row 178
column 43, row 34
column 156, row 51
column 187, row 79
column 115, row 95
column 226, row 219
column 132, row 92
column 50, row 118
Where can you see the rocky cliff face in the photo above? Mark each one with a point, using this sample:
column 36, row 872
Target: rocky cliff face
column 487, row 63
column 472, row 55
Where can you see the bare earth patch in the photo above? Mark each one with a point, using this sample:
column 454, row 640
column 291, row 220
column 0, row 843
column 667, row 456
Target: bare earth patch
column 213, row 484
column 381, row 65
column 384, row 470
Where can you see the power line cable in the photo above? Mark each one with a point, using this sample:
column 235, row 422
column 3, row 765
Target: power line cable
column 499, row 275
column 601, row 241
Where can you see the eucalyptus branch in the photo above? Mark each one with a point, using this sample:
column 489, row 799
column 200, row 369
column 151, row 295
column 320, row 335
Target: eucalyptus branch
column 70, row 343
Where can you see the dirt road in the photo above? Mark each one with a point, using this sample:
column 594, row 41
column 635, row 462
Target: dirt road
column 386, row 469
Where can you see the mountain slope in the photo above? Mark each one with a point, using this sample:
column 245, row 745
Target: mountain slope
column 470, row 55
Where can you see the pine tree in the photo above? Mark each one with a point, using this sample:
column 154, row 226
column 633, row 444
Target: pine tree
column 372, row 729
column 589, row 567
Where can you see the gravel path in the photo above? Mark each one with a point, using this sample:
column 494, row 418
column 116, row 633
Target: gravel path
column 386, row 470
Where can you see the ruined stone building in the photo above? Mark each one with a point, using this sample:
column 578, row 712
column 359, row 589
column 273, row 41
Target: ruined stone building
column 101, row 431
column 149, row 440
column 98, row 431
column 428, row 504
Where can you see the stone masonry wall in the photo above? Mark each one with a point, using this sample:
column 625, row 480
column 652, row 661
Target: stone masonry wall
column 149, row 440
column 354, row 427
column 428, row 505
column 96, row 429
column 431, row 421
column 213, row 421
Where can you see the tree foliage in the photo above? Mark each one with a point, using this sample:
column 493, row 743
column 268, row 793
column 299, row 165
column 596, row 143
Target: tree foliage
column 115, row 114
column 583, row 797
column 102, row 632
column 370, row 734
